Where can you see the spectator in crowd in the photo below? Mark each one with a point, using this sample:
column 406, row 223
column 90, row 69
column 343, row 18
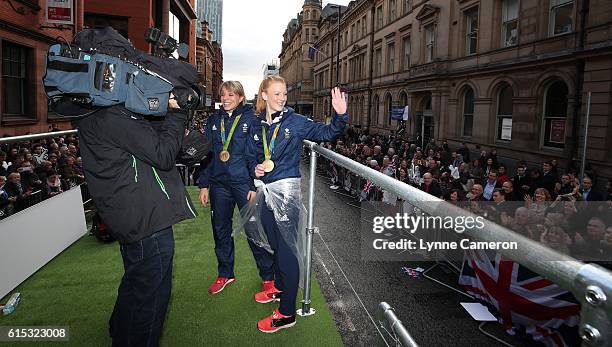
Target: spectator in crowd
column 490, row 166
column 4, row 199
column 556, row 238
column 587, row 244
column 476, row 193
column 549, row 176
column 430, row 186
column 53, row 185
column 29, row 180
column 476, row 172
column 464, row 151
column 566, row 186
column 538, row 205
column 510, row 193
column 522, row 181
column 588, row 192
column 502, row 175
column 490, row 185
column 453, row 196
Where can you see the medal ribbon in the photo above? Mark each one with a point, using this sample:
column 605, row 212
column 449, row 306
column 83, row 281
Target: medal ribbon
column 229, row 137
column 268, row 150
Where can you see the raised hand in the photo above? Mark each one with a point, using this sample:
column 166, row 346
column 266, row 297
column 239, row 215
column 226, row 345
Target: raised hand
column 338, row 101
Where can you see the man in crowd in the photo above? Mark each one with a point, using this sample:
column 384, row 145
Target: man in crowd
column 430, row 186
column 491, row 184
column 588, row 192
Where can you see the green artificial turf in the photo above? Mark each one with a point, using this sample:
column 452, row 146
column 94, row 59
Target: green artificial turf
column 77, row 289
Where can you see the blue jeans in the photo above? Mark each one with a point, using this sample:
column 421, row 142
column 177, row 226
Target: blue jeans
column 144, row 292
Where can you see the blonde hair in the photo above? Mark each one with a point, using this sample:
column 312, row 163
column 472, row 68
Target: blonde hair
column 261, row 103
column 233, row 87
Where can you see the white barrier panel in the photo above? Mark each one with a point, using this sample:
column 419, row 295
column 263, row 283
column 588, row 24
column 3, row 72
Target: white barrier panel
column 31, row 238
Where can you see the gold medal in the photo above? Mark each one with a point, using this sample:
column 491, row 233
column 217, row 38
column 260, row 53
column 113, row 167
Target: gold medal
column 224, row 156
column 268, row 165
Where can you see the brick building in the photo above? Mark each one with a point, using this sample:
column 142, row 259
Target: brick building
column 25, row 36
column 204, row 60
column 507, row 74
column 133, row 18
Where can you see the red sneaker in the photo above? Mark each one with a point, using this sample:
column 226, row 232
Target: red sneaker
column 275, row 322
column 267, row 285
column 220, row 284
column 267, row 296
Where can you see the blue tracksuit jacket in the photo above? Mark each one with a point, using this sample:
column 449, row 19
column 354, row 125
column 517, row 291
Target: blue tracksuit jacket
column 288, row 144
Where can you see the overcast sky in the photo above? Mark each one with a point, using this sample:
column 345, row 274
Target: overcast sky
column 252, row 36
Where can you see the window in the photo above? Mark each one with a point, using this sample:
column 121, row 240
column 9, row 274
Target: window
column 199, row 65
column 468, row 112
column 403, row 99
column 391, row 58
column 378, row 61
column 429, row 43
column 504, row 114
column 407, row 6
column 555, row 115
column 346, row 35
column 307, row 35
column 392, row 10
column 358, row 27
column 510, row 10
column 16, row 89
column 363, row 26
column 353, row 33
column 379, row 17
column 560, row 21
column 376, row 110
column 471, row 31
column 388, row 108
column 406, row 53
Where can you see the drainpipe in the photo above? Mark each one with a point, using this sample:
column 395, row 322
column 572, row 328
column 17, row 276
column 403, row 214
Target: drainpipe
column 372, row 14
column 579, row 82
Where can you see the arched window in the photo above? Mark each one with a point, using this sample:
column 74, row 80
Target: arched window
column 403, row 99
column 555, row 114
column 504, row 113
column 468, row 111
column 375, row 109
column 388, row 108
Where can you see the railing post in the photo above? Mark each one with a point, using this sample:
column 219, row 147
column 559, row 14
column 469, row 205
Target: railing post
column 388, row 319
column 306, row 310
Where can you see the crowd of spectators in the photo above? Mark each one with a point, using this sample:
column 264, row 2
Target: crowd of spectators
column 542, row 202
column 31, row 171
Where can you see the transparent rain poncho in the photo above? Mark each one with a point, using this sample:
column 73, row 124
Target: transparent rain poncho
column 283, row 197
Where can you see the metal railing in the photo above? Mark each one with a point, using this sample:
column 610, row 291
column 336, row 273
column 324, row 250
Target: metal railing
column 389, row 322
column 590, row 283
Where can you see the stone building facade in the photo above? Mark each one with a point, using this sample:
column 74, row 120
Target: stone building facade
column 507, row 74
column 295, row 64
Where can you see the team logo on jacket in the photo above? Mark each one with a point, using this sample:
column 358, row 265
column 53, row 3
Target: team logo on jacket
column 255, row 137
column 245, row 128
column 214, row 128
column 287, row 133
column 153, row 104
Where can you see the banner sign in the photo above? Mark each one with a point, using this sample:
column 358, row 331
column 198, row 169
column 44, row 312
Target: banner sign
column 59, row 12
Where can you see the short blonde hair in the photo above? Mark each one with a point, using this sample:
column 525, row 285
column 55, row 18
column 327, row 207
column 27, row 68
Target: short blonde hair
column 233, row 87
column 261, row 103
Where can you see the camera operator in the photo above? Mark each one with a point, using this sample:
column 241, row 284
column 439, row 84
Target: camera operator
column 129, row 164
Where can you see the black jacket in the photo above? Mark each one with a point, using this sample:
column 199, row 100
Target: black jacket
column 130, row 169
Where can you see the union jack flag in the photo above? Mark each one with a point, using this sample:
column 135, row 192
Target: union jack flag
column 522, row 300
column 366, row 190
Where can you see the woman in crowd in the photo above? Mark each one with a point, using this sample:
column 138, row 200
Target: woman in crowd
column 275, row 145
column 225, row 182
